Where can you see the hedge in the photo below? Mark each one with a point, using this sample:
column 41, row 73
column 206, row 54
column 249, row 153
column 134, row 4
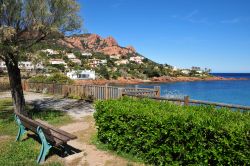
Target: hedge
column 53, row 78
column 163, row 133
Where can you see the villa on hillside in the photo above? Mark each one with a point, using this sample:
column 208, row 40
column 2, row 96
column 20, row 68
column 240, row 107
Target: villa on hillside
column 50, row 51
column 82, row 75
column 86, row 54
column 115, row 56
column 122, row 62
column 96, row 62
column 136, row 59
column 73, row 58
column 77, row 61
column 23, row 65
column 196, row 68
column 71, row 55
column 57, row 62
column 185, row 71
column 29, row 66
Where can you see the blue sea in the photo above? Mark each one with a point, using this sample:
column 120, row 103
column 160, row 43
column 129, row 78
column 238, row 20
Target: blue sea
column 231, row 92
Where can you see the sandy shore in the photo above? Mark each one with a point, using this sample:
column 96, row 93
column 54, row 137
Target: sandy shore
column 163, row 79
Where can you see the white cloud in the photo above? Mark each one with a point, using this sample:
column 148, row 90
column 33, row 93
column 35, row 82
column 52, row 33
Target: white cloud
column 231, row 21
column 235, row 20
column 191, row 14
column 192, row 17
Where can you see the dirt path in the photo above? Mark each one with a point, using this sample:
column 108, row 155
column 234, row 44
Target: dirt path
column 90, row 155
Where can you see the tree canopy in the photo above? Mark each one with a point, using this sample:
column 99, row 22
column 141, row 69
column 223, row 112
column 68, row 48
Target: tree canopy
column 24, row 23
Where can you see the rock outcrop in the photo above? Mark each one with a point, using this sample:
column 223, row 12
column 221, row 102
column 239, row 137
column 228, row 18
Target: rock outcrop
column 95, row 43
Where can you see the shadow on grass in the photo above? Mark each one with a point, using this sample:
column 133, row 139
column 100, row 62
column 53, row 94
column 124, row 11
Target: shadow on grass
column 59, row 151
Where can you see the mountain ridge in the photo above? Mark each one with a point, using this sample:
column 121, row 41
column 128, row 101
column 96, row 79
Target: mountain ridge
column 96, row 43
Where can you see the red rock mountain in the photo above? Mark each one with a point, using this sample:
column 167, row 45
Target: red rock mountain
column 95, row 43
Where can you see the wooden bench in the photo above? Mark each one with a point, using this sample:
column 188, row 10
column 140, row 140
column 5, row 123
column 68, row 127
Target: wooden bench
column 49, row 135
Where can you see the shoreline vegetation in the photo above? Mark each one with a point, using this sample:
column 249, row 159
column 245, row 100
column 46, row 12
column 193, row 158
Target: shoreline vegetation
column 163, row 79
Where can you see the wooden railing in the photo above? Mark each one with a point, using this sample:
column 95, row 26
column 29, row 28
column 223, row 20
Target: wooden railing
column 187, row 101
column 98, row 92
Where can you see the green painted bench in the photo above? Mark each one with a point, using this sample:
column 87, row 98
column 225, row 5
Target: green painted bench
column 49, row 135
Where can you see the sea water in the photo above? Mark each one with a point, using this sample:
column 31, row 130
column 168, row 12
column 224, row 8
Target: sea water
column 230, row 92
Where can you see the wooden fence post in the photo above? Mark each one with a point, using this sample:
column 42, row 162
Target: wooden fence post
column 136, row 87
column 106, row 92
column 121, row 92
column 158, row 91
column 186, row 100
column 53, row 88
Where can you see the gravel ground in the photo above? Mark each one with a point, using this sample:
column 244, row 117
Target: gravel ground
column 75, row 108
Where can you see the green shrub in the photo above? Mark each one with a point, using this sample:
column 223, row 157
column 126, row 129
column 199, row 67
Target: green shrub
column 58, row 78
column 38, row 78
column 162, row 133
column 53, row 78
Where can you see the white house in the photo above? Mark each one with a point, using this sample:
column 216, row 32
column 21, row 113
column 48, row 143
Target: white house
column 71, row 55
column 137, row 59
column 50, row 51
column 86, row 54
column 23, row 65
column 82, row 75
column 57, row 62
column 115, row 56
column 196, row 68
column 77, row 61
column 28, row 65
column 123, row 61
column 185, row 71
column 95, row 62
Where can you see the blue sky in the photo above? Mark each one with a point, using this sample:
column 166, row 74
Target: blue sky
column 182, row 33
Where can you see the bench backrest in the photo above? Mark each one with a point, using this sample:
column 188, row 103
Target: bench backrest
column 53, row 135
column 33, row 125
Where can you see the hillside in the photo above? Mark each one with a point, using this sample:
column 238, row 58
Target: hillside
column 103, row 55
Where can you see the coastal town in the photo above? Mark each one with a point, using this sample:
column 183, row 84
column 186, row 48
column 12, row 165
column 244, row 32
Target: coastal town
column 173, row 91
column 89, row 59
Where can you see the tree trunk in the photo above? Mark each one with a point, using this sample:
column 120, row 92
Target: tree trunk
column 16, row 85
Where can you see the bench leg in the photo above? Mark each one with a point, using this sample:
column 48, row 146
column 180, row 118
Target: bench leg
column 21, row 130
column 67, row 150
column 45, row 146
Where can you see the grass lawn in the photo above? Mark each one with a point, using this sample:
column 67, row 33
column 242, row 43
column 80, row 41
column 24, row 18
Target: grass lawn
column 26, row 151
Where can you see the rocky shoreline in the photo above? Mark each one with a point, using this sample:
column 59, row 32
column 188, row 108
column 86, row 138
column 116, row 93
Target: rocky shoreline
column 163, row 79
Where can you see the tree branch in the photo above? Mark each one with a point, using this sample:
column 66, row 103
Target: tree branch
column 36, row 41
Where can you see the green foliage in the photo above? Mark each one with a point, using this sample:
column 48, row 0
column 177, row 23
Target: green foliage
column 104, row 72
column 54, row 78
column 162, row 133
column 99, row 55
column 60, row 67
